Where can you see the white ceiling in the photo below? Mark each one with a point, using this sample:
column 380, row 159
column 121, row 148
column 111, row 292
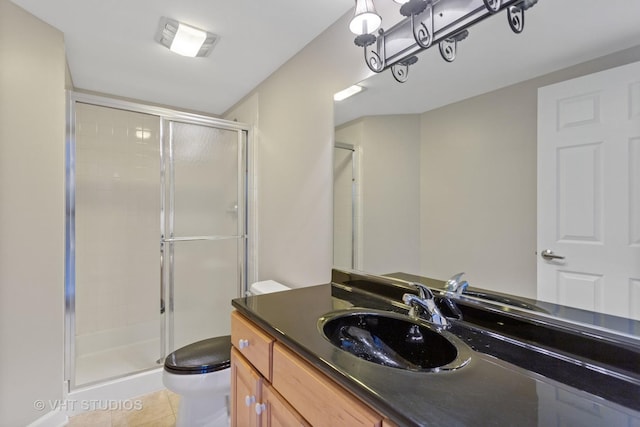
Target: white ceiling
column 557, row 34
column 111, row 49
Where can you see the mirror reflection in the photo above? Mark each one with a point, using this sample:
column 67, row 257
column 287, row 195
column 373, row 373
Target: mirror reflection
column 483, row 164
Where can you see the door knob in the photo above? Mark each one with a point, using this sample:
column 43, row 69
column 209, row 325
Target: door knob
column 549, row 255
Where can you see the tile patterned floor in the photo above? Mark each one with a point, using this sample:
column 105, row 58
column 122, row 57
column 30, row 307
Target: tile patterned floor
column 159, row 409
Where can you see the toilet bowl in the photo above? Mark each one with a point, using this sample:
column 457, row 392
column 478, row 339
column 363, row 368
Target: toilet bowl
column 200, row 374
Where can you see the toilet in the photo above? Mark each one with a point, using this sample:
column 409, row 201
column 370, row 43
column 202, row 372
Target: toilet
column 200, row 374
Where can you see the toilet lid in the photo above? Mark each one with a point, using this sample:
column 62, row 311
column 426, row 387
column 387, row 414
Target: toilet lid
column 201, row 357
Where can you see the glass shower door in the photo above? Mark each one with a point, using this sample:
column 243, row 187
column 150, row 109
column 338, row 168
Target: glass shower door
column 117, row 202
column 205, row 236
column 155, row 235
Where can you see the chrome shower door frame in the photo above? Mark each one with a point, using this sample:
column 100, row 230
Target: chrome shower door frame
column 168, row 238
column 246, row 250
column 356, row 232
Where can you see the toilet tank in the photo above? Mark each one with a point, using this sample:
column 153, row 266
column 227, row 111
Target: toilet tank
column 266, row 287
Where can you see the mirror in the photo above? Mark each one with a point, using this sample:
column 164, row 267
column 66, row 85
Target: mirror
column 446, row 164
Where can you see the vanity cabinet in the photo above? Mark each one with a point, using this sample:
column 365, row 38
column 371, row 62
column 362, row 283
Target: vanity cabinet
column 255, row 402
column 273, row 386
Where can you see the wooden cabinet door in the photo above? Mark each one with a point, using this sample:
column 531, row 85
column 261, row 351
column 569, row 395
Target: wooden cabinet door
column 246, row 386
column 278, row 413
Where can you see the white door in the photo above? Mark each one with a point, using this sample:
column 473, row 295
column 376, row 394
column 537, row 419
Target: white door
column 589, row 192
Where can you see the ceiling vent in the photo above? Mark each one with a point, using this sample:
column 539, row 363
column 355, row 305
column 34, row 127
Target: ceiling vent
column 185, row 39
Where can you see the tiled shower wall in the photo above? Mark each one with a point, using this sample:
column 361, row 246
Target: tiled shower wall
column 117, row 227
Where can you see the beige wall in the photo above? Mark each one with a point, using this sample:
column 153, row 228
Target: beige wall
column 293, row 153
column 32, row 132
column 478, row 201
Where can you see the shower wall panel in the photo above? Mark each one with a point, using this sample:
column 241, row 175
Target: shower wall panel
column 117, row 228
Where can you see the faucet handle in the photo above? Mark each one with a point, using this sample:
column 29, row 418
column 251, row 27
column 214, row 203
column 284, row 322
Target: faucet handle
column 423, row 291
column 455, row 284
column 424, row 306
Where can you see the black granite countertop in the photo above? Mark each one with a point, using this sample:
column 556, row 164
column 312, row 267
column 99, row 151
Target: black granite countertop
column 488, row 391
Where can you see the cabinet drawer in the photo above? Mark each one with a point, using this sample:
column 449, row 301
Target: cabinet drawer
column 318, row 399
column 252, row 342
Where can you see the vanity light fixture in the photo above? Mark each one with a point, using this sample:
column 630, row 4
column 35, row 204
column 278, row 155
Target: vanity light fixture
column 427, row 23
column 348, row 92
column 184, row 39
column 364, row 22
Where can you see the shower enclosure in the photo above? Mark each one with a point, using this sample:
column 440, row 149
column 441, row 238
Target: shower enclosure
column 156, row 234
column 345, row 203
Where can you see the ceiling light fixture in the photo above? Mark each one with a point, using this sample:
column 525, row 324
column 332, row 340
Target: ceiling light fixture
column 184, row 39
column 427, row 23
column 346, row 93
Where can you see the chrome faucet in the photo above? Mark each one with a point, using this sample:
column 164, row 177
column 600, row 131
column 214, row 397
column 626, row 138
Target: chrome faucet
column 455, row 285
column 424, row 306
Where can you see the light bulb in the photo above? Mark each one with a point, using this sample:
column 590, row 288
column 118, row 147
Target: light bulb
column 365, row 19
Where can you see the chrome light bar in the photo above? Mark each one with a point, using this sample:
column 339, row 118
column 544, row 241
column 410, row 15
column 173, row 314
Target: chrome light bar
column 429, row 23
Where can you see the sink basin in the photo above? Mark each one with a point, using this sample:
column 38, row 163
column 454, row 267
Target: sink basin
column 394, row 340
